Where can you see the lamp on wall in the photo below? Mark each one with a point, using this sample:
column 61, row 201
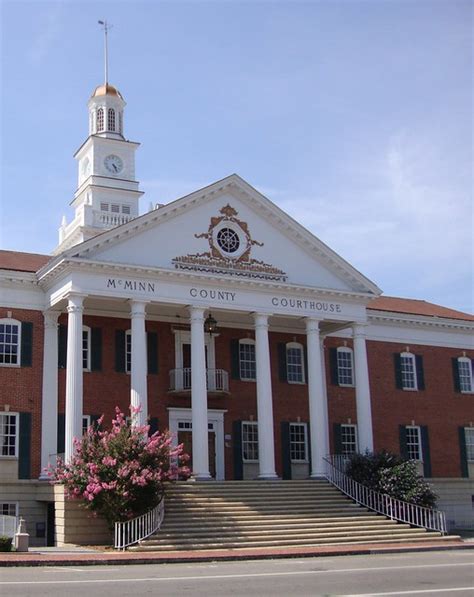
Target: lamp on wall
column 210, row 325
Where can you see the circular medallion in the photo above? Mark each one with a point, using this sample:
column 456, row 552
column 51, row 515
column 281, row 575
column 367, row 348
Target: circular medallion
column 228, row 240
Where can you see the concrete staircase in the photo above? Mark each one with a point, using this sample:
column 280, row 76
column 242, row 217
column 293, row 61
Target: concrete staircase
column 260, row 514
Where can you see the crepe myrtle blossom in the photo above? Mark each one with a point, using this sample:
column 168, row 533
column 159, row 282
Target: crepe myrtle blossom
column 121, row 472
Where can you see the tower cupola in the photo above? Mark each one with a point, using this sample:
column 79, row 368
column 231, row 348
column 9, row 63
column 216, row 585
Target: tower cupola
column 106, row 106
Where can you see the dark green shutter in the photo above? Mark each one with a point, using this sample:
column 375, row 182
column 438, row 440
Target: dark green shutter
column 96, row 349
column 397, row 360
column 457, row 381
column 153, row 425
column 237, row 453
column 420, row 374
column 337, row 430
column 24, row 447
column 152, row 352
column 120, row 351
column 425, row 447
column 403, row 442
column 285, row 450
column 282, row 372
column 305, row 355
column 333, row 366
column 26, row 344
column 235, row 359
column 62, row 346
column 463, row 452
column 61, row 440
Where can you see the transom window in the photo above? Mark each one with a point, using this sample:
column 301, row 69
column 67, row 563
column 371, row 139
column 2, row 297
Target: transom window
column 100, row 120
column 298, row 442
column 250, row 441
column 469, row 435
column 247, row 359
column 10, row 342
column 128, row 351
column 86, row 352
column 9, row 508
column 465, row 374
column 349, row 439
column 8, row 434
column 414, row 443
column 111, row 120
column 408, row 369
column 228, row 240
column 345, row 366
column 294, row 363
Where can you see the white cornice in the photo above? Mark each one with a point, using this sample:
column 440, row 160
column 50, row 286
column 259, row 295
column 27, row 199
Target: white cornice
column 403, row 319
column 11, row 278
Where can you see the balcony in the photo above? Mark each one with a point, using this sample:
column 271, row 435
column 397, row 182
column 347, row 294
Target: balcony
column 217, row 381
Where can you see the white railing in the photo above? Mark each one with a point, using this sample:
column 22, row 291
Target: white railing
column 135, row 530
column 217, row 380
column 382, row 503
column 107, row 219
column 8, row 525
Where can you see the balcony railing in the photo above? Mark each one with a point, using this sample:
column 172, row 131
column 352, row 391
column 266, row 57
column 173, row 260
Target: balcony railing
column 108, row 219
column 217, row 380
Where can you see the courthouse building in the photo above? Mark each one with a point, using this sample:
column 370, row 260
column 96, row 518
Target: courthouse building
column 227, row 322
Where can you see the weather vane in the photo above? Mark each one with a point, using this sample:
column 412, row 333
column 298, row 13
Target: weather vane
column 106, row 28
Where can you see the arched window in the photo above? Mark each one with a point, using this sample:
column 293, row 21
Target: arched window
column 294, row 363
column 465, row 374
column 100, row 120
column 408, row 371
column 111, row 120
column 10, row 342
column 345, row 366
column 247, row 362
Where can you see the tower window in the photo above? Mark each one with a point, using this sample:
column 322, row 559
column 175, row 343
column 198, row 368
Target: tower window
column 100, row 120
column 111, row 120
column 126, row 209
column 104, row 207
column 114, row 208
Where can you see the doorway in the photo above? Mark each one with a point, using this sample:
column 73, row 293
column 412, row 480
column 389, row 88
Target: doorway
column 185, row 437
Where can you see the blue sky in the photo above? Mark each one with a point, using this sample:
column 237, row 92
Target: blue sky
column 353, row 116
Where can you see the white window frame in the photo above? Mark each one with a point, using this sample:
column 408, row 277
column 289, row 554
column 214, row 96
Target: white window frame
column 246, row 341
column 305, row 459
column 299, row 347
column 15, row 322
column 254, row 443
column 465, row 380
column 355, row 443
column 9, row 508
column 86, row 330
column 128, row 351
column 409, row 357
column 3, row 435
column 86, row 421
column 418, row 443
column 469, row 439
column 350, row 352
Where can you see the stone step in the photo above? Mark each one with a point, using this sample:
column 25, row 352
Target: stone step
column 267, row 508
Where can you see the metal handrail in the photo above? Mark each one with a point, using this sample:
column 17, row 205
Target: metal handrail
column 217, row 380
column 382, row 503
column 132, row 531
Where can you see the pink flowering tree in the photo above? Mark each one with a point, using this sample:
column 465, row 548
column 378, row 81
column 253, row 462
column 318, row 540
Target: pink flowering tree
column 122, row 472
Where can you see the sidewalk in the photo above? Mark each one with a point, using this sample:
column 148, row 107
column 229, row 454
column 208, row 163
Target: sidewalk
column 83, row 556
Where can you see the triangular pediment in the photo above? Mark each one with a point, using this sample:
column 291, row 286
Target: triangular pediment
column 228, row 229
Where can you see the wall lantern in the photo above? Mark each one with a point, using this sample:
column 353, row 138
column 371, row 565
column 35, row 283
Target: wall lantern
column 210, row 325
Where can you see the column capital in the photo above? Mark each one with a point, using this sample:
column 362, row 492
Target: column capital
column 261, row 319
column 359, row 329
column 75, row 303
column 137, row 308
column 51, row 319
column 196, row 313
column 312, row 324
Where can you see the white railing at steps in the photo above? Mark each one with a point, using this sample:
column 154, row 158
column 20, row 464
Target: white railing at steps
column 8, row 525
column 382, row 503
column 132, row 531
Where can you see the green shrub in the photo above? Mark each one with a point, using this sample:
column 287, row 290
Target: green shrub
column 5, row 543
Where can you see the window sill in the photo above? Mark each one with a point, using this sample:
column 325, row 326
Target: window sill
column 10, row 365
column 410, row 389
column 346, row 385
column 300, row 462
column 247, row 379
column 8, row 457
column 297, row 383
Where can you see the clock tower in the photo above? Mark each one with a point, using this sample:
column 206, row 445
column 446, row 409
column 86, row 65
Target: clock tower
column 107, row 193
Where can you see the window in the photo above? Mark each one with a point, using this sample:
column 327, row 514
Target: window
column 345, row 368
column 128, row 351
column 228, row 240
column 469, row 435
column 414, row 443
column 126, row 209
column 294, row 363
column 298, row 442
column 86, row 348
column 100, row 120
column 349, row 439
column 9, row 508
column 104, row 207
column 247, row 360
column 8, row 434
column 114, row 208
column 10, row 336
column 465, row 374
column 111, row 120
column 250, row 442
column 408, row 370
column 86, row 421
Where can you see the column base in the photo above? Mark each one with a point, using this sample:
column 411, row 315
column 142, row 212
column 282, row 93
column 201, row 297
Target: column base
column 270, row 477
column 201, row 477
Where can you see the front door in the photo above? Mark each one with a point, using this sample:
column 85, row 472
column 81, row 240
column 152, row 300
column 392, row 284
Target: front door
column 185, row 437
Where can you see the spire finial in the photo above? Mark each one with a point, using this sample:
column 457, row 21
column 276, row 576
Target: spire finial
column 106, row 28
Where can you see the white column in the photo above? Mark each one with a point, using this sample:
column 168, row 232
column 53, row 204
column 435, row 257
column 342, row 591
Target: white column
column 49, row 405
column 362, row 387
column 139, row 363
column 266, row 443
column 199, row 396
column 73, row 374
column 318, row 407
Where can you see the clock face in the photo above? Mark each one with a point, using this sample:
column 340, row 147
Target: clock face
column 113, row 164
